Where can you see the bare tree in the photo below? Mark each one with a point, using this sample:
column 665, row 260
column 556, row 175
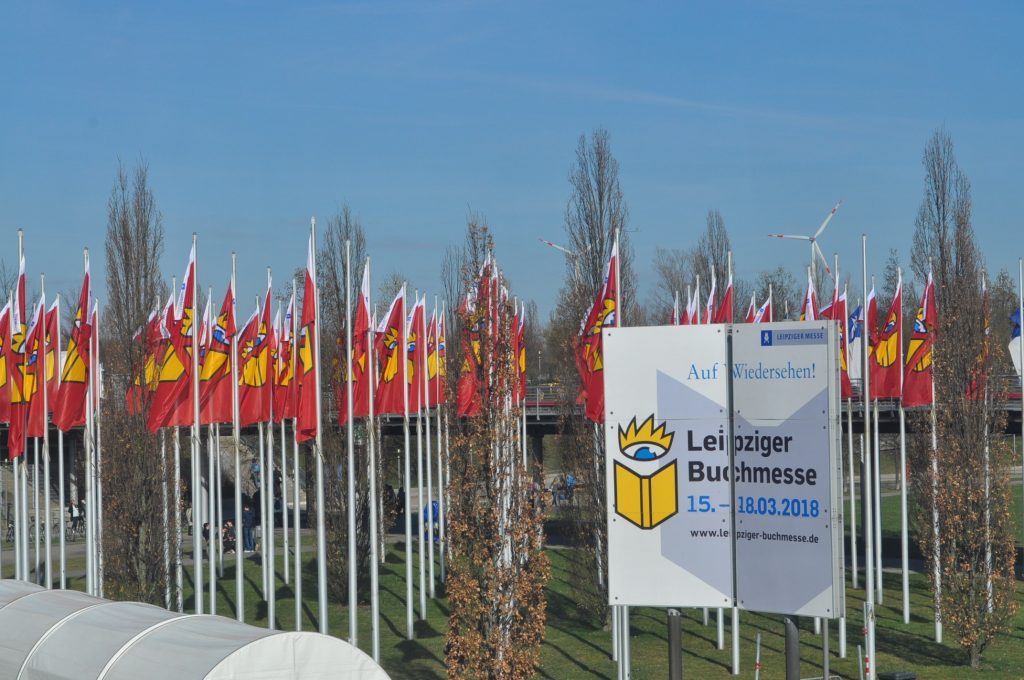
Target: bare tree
column 595, row 213
column 674, row 270
column 332, row 277
column 784, row 290
column 134, row 535
column 971, row 495
column 711, row 255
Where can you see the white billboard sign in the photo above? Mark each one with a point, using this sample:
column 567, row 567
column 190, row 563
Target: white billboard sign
column 785, row 389
column 722, row 467
column 666, row 410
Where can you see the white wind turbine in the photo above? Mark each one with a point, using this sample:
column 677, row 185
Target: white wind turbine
column 815, row 250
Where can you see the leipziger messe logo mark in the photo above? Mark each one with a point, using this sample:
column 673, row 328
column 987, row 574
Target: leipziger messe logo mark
column 645, row 500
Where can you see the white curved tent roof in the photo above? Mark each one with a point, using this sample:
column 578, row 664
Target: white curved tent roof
column 61, row 634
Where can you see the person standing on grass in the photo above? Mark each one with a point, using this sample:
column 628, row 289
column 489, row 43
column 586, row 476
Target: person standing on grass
column 248, row 544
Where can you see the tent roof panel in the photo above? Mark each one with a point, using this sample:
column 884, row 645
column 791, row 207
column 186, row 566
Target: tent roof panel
column 80, row 646
column 27, row 619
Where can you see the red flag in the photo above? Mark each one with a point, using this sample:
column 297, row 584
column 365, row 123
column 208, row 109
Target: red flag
column 46, row 373
column 520, row 345
column 432, row 361
column 69, row 410
column 468, row 398
column 724, row 313
column 836, row 311
column 917, row 377
column 254, row 366
column 16, row 369
column 886, row 371
column 390, row 350
column 764, row 312
column 751, row 311
column 357, row 365
column 284, row 375
column 307, row 414
column 809, row 309
column 5, row 350
column 25, row 385
column 439, row 389
column 709, row 307
column 589, row 351
column 172, row 399
column 417, row 354
column 215, row 372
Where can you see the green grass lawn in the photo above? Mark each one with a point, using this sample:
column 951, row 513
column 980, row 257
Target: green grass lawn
column 576, row 649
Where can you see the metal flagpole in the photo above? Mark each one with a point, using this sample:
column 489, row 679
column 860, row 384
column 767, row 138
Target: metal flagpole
column 268, row 482
column 268, row 539
column 296, row 517
column 408, row 474
column 869, row 564
column 353, row 620
column 1020, row 350
column 90, row 525
column 419, row 476
column 877, row 500
column 237, row 443
column 263, row 511
column 179, row 572
column 440, row 466
column 321, row 533
column 210, row 486
column 219, row 490
column 45, row 364
column 904, row 541
column 284, row 504
column 36, row 574
column 166, row 525
column 211, row 516
column 197, row 545
column 426, row 418
column 371, row 432
column 98, row 422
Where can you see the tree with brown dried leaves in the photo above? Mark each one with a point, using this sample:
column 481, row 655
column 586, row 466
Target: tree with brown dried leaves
column 497, row 568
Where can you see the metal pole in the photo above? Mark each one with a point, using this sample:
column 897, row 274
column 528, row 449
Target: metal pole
column 60, row 500
column 869, row 558
column 408, row 475
column 45, row 364
column 179, row 573
column 675, row 645
column 98, row 422
column 877, row 499
column 236, row 441
column 284, row 504
column 321, row 531
column 269, row 538
column 371, row 432
column 757, row 658
column 167, row 528
column 197, row 544
column 353, row 601
column 211, row 519
column 429, row 453
column 792, row 649
column 421, row 543
column 824, row 649
column 853, row 491
column 263, row 512
column 296, row 516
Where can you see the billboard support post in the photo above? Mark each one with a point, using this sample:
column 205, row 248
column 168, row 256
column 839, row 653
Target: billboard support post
column 792, row 648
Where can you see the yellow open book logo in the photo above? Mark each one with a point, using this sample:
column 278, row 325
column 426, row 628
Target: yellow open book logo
column 645, row 500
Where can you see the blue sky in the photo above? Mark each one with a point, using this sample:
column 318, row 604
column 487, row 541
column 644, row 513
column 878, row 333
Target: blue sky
column 255, row 116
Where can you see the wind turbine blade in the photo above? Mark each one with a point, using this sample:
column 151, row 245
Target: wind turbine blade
column 822, row 256
column 827, row 219
column 801, row 238
column 556, row 246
